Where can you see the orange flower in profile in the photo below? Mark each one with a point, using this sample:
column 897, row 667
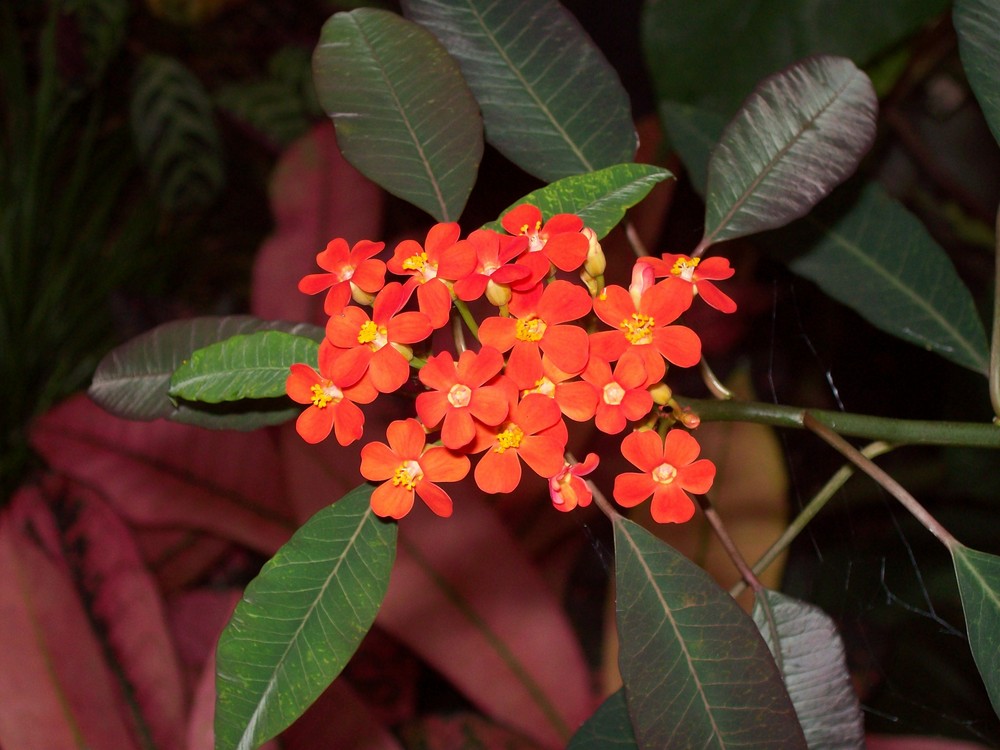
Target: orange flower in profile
column 331, row 396
column 668, row 472
column 347, row 273
column 696, row 274
column 568, row 490
column 559, row 238
column 406, row 466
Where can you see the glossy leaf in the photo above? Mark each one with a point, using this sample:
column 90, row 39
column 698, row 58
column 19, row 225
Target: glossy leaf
column 799, row 135
column 870, row 253
column 811, row 658
column 610, row 727
column 979, row 585
column 301, row 619
column 551, row 103
column 674, row 624
column 977, row 23
column 600, row 198
column 253, row 365
column 404, row 115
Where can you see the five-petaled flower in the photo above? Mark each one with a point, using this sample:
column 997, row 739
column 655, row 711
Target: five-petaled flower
column 697, row 275
column 355, row 273
column 668, row 472
column 406, row 466
column 559, row 238
column 331, row 396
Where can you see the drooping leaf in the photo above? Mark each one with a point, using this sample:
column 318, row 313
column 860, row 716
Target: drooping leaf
column 674, row 627
column 600, row 198
column 799, row 135
column 551, row 103
column 610, row 727
column 870, row 253
column 813, row 665
column 133, row 380
column 979, row 585
column 404, row 115
column 301, row 619
column 253, row 365
column 977, row 23
column 175, row 133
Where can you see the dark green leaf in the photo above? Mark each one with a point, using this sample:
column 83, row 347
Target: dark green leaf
column 870, row 253
column 609, row 727
column 404, row 115
column 979, row 585
column 978, row 25
column 813, row 665
column 696, row 671
column 253, row 365
column 270, row 107
column 799, row 135
column 300, row 620
column 551, row 103
column 599, row 198
column 693, row 134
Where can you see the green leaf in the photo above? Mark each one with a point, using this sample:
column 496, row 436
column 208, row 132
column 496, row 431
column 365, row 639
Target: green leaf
column 551, row 103
column 977, row 23
column 799, row 135
column 300, row 620
column 599, row 198
column 814, row 668
column 133, row 380
column 269, row 107
column 251, row 365
column 871, row 254
column 609, row 727
column 696, row 671
column 979, row 586
column 404, row 116
column 693, row 134
column 101, row 25
column 175, row 134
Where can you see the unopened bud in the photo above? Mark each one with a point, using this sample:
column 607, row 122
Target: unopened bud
column 687, row 418
column 497, row 294
column 360, row 296
column 596, row 263
column 642, row 279
column 403, row 349
column 595, row 285
column 661, row 394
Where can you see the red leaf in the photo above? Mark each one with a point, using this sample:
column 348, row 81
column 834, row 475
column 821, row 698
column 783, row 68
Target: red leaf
column 164, row 474
column 315, row 196
column 339, row 718
column 462, row 730
column 178, row 558
column 196, row 619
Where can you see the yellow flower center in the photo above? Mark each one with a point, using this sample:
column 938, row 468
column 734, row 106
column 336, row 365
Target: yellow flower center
column 639, row 328
column 530, row 329
column 371, row 333
column 509, row 438
column 613, row 393
column 407, row 475
column 664, row 473
column 544, row 386
column 684, row 267
column 322, row 395
column 459, row 395
column 415, row 262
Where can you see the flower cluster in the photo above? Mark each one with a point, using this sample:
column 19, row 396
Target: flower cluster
column 548, row 350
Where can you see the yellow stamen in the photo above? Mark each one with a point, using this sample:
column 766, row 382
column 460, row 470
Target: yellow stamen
column 530, row 329
column 509, row 438
column 684, row 267
column 544, row 386
column 371, row 333
column 320, row 398
column 407, row 475
column 639, row 330
column 664, row 473
column 415, row 262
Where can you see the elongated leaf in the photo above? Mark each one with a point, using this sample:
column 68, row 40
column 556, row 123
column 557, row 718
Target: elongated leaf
column 874, row 256
column 600, row 198
column 551, row 103
column 253, row 365
column 610, row 727
column 301, row 619
column 979, row 585
column 133, row 381
column 404, row 115
column 796, row 137
column 978, row 25
column 696, row 671
column 813, row 665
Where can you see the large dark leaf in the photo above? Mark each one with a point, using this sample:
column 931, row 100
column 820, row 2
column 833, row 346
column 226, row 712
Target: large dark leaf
column 551, row 103
column 978, row 25
column 301, row 619
column 696, row 671
column 609, row 727
column 798, row 136
column 979, row 585
column 404, row 115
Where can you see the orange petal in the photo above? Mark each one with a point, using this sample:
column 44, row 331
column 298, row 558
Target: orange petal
column 643, row 449
column 498, row 473
column 443, row 465
column 568, row 346
column 378, row 462
column 406, row 438
column 632, row 489
column 697, row 477
column 436, row 499
column 671, row 504
column 314, row 424
column 298, row 385
column 680, row 448
column 391, row 501
column 348, row 422
column 458, row 429
column 543, row 453
column 520, row 216
column 678, row 344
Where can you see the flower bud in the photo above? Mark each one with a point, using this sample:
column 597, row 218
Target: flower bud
column 595, row 285
column 497, row 294
column 687, row 417
column 661, row 394
column 596, row 263
column 360, row 296
column 642, row 279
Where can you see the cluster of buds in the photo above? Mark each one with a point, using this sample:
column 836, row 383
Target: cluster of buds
column 539, row 360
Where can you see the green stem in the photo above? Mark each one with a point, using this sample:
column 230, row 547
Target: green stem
column 995, row 339
column 470, row 322
column 896, row 431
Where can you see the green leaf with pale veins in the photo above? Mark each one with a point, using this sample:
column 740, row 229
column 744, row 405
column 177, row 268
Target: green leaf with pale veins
column 608, row 728
column 811, row 658
column 300, row 620
column 696, row 671
column 405, row 117
column 599, row 198
column 977, row 23
column 551, row 102
column 979, row 585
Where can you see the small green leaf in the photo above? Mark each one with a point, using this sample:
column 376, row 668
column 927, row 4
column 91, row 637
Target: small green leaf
column 609, row 727
column 876, row 257
column 251, row 365
column 814, row 669
column 696, row 671
column 404, row 116
column 979, row 585
column 300, row 620
column 551, row 103
column 977, row 23
column 599, row 198
column 799, row 135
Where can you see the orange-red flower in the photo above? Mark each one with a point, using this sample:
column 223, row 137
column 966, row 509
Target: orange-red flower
column 559, row 238
column 494, row 253
column 620, row 396
column 696, row 274
column 576, row 399
column 347, row 272
column 668, row 472
column 331, row 396
column 406, row 466
column 439, row 258
column 461, row 396
column 568, row 490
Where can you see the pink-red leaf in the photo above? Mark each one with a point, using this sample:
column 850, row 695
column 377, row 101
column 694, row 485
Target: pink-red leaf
column 338, row 718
